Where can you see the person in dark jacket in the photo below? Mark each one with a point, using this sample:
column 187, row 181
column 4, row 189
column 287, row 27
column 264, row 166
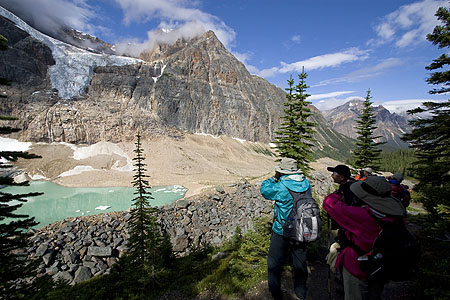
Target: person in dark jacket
column 399, row 190
column 341, row 175
column 361, row 228
column 287, row 177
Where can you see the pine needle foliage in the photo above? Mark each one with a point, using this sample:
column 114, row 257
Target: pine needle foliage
column 3, row 47
column 294, row 138
column 430, row 136
column 7, row 129
column 366, row 153
column 147, row 247
column 14, row 231
column 13, row 239
column 3, row 43
column 398, row 161
column 440, row 37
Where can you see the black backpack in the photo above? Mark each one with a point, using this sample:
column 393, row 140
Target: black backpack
column 395, row 254
column 303, row 223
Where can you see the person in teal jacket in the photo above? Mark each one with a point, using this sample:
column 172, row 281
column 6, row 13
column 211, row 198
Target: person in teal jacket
column 287, row 177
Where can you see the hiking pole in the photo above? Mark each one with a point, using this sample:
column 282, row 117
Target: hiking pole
column 329, row 244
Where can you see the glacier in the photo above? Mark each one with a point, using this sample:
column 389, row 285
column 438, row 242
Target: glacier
column 74, row 67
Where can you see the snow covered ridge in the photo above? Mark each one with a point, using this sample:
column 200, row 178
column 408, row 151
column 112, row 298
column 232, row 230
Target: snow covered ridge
column 74, row 67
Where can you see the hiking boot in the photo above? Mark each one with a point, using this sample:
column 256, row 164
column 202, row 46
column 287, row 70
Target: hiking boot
column 291, row 295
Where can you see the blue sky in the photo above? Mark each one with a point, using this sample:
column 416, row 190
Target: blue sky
column 346, row 47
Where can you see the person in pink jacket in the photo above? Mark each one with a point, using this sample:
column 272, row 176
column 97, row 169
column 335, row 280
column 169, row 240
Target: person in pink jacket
column 361, row 230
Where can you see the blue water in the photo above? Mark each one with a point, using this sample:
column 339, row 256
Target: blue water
column 59, row 202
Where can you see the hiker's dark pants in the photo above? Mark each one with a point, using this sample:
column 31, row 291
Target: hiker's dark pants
column 278, row 251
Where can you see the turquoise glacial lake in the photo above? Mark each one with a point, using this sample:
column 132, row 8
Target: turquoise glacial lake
column 59, row 202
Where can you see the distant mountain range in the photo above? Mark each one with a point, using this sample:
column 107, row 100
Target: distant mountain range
column 390, row 126
column 61, row 92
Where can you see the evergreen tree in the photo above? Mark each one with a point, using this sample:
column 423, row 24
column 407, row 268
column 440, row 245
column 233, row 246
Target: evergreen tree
column 3, row 47
column 295, row 135
column 147, row 247
column 366, row 153
column 431, row 135
column 14, row 232
column 441, row 38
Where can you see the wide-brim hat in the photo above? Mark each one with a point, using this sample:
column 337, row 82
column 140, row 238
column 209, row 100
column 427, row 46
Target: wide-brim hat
column 375, row 191
column 288, row 166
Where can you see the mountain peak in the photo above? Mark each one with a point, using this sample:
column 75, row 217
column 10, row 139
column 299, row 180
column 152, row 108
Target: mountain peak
column 389, row 126
column 164, row 50
column 354, row 101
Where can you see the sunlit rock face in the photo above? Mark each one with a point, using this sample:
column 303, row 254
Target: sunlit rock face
column 195, row 85
column 68, row 94
column 390, row 126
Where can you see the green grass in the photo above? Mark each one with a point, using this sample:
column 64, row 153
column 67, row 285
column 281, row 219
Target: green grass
column 244, row 266
column 434, row 274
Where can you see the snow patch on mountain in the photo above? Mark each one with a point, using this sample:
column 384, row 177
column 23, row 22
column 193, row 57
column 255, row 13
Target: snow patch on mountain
column 77, row 170
column 155, row 79
column 74, row 67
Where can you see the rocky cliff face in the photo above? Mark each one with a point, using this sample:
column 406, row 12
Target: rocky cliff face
column 193, row 85
column 390, row 126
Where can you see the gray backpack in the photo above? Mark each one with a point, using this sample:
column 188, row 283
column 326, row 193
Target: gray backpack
column 303, row 223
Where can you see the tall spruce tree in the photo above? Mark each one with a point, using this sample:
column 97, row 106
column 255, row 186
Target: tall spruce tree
column 295, row 135
column 366, row 153
column 147, row 247
column 14, row 232
column 431, row 135
column 3, row 47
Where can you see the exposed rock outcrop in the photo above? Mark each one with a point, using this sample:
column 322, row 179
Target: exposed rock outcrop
column 194, row 85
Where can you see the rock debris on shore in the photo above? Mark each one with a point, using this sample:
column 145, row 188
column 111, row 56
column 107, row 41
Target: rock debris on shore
column 76, row 249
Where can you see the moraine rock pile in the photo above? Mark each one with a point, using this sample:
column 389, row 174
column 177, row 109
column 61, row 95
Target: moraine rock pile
column 76, row 249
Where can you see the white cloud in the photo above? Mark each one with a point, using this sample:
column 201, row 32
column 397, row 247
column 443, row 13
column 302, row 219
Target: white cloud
column 401, row 106
column 180, row 16
column 51, row 15
column 329, row 95
column 252, row 69
column 316, row 62
column 167, row 36
column 296, row 39
column 268, row 72
column 242, row 57
column 409, row 24
column 324, row 61
column 364, row 73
